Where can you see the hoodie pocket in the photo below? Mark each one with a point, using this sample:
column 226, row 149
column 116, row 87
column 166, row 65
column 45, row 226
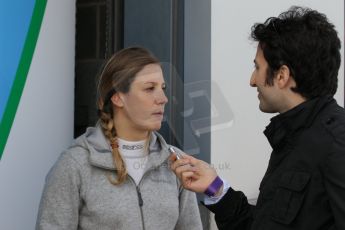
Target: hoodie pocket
column 289, row 196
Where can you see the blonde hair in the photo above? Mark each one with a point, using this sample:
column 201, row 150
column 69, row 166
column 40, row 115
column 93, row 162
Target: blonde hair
column 118, row 74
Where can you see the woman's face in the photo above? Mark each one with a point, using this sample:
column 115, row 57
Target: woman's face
column 142, row 108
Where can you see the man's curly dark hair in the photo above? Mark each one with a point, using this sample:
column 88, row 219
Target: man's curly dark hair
column 306, row 42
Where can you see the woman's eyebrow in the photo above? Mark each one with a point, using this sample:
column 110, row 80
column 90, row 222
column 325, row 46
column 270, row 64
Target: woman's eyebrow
column 154, row 83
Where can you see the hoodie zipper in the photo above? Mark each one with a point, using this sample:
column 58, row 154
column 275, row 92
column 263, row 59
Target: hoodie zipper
column 140, row 198
column 141, row 203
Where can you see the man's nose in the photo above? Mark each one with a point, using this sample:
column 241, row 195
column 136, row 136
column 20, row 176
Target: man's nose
column 252, row 80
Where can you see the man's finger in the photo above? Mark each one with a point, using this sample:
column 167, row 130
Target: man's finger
column 172, row 158
column 186, row 178
column 194, row 161
column 179, row 163
column 182, row 169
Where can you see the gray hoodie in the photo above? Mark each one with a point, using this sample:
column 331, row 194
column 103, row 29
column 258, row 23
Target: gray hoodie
column 78, row 194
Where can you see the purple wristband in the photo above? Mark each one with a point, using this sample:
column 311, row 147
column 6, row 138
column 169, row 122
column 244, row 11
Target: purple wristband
column 214, row 187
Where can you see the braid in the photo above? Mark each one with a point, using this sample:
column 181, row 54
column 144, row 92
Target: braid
column 109, row 131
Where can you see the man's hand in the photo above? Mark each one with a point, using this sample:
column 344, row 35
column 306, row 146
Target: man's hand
column 195, row 175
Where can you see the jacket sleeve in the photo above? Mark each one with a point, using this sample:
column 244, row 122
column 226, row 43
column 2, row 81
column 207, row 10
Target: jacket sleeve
column 59, row 205
column 334, row 176
column 189, row 216
column 233, row 211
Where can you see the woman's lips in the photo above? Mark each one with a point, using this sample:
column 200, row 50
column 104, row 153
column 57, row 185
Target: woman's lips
column 158, row 114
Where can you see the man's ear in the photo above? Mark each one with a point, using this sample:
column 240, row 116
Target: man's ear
column 283, row 77
column 117, row 100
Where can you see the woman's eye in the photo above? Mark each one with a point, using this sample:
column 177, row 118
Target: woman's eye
column 150, row 89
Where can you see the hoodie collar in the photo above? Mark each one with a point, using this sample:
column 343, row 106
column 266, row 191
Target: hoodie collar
column 100, row 149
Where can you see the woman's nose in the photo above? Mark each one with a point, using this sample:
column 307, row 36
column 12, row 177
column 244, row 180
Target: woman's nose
column 161, row 98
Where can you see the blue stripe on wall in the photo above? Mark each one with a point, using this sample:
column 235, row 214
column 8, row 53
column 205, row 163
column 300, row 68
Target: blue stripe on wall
column 15, row 16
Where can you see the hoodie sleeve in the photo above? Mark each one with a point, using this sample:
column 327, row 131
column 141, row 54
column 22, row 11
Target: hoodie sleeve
column 60, row 200
column 189, row 217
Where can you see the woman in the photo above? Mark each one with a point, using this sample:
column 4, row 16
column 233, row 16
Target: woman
column 115, row 176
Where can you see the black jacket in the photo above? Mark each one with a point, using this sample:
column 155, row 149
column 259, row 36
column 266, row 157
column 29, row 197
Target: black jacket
column 304, row 185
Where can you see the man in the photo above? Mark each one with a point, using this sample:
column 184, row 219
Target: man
column 296, row 68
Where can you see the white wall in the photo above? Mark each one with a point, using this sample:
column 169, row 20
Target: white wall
column 243, row 146
column 43, row 125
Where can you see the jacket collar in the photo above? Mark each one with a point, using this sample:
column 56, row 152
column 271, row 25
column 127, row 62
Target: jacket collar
column 301, row 116
column 100, row 149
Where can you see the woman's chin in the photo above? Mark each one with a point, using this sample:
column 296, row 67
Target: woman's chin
column 155, row 127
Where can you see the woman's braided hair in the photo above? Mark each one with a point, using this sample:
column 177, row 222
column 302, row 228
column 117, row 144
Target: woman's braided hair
column 118, row 74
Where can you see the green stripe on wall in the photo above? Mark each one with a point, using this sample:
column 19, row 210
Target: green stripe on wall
column 21, row 74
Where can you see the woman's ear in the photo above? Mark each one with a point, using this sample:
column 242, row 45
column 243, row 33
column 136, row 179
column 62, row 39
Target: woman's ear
column 116, row 99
